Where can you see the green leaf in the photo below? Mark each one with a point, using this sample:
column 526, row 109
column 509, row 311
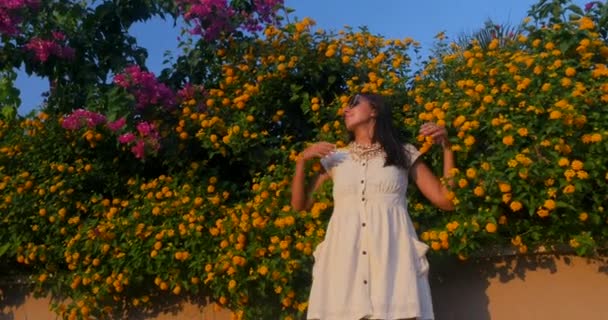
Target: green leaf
column 4, row 248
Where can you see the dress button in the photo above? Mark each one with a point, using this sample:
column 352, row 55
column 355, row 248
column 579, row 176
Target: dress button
column 364, row 252
column 363, row 224
column 362, row 199
column 364, row 281
column 362, row 181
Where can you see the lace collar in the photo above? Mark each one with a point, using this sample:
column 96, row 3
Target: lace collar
column 362, row 153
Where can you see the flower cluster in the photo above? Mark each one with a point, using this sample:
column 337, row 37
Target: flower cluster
column 147, row 140
column 591, row 5
column 148, row 91
column 10, row 14
column 43, row 49
column 193, row 96
column 212, row 18
column 537, row 176
column 81, row 118
column 265, row 14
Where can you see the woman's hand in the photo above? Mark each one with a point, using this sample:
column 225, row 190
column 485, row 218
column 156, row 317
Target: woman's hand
column 319, row 150
column 301, row 195
column 438, row 133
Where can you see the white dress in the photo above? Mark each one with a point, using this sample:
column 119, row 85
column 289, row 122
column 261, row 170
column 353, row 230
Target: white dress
column 371, row 264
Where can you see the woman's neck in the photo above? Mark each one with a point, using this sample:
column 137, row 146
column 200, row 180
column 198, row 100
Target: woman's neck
column 363, row 137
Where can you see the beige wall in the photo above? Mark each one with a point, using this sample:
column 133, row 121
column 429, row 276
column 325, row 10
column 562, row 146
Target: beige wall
column 530, row 287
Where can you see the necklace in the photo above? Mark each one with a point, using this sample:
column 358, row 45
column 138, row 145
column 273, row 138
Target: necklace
column 362, row 153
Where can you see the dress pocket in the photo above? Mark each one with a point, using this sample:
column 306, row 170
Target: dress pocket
column 422, row 263
column 317, row 254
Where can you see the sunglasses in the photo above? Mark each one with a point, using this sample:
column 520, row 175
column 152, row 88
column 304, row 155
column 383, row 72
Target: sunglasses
column 354, row 101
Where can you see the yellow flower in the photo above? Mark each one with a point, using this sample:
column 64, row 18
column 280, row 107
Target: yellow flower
column 574, row 243
column 515, row 206
column 570, row 72
column 542, row 212
column 463, row 183
column 555, row 114
column 471, row 173
column 549, row 204
column 583, row 216
column 436, row 245
column 577, row 165
column 424, row 236
column 516, row 241
column 585, row 23
column 582, row 174
column 485, row 166
column 491, row 227
column 451, row 226
column 508, row 140
column 569, row 174
column 479, row 191
column 569, row 189
column 504, row 187
column 469, row 140
column 522, row 132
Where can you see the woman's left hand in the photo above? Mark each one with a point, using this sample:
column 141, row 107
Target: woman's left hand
column 438, row 133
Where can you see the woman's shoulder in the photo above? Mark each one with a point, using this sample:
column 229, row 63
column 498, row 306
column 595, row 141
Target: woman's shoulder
column 412, row 152
column 409, row 147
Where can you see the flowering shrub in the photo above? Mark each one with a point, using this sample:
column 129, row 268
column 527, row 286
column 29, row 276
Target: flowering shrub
column 10, row 14
column 146, row 89
column 530, row 133
column 117, row 204
column 43, row 49
column 228, row 17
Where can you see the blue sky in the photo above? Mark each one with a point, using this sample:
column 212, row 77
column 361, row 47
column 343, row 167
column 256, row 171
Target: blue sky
column 420, row 20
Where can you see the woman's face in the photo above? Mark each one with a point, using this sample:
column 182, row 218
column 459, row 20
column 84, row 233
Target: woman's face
column 359, row 113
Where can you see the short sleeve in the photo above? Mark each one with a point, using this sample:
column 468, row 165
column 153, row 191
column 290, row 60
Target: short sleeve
column 412, row 153
column 330, row 161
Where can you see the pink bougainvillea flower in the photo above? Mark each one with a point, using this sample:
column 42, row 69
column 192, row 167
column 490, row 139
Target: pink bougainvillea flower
column 146, row 89
column 81, row 118
column 127, row 138
column 590, row 5
column 11, row 14
column 138, row 149
column 117, row 125
column 211, row 18
column 43, row 49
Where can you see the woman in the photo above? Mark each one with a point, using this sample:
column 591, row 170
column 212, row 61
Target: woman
column 371, row 264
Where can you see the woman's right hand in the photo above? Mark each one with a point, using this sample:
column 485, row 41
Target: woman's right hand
column 319, row 150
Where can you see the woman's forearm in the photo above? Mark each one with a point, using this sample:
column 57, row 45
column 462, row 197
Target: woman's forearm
column 298, row 186
column 448, row 164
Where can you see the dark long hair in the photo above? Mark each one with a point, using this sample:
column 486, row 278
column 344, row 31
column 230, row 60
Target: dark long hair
column 385, row 132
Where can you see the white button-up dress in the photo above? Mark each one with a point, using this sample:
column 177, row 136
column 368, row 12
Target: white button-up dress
column 371, row 264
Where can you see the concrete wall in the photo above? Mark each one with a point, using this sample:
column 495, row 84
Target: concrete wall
column 538, row 287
